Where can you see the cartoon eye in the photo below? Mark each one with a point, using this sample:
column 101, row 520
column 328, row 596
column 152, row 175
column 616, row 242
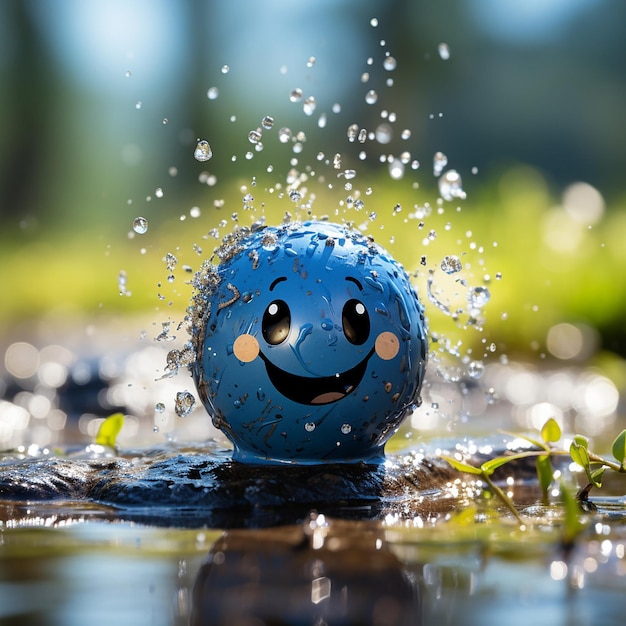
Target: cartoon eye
column 356, row 322
column 276, row 322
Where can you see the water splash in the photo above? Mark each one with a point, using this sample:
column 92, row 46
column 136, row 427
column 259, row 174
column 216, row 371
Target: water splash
column 451, row 264
column 337, row 173
column 478, row 297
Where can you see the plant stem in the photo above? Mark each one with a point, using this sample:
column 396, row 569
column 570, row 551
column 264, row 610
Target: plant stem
column 594, row 458
column 503, row 497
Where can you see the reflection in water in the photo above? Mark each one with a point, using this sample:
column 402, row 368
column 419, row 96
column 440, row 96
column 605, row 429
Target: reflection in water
column 319, row 573
column 72, row 564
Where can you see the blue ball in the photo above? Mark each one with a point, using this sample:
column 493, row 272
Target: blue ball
column 310, row 344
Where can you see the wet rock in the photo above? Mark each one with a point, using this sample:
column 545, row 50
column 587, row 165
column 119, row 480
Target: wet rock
column 190, row 488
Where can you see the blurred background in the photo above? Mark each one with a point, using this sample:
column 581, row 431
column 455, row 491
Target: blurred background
column 101, row 106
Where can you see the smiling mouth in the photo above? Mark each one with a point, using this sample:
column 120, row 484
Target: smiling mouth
column 316, row 390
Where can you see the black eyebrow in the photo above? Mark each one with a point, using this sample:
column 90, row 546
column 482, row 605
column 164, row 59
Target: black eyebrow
column 278, row 280
column 355, row 281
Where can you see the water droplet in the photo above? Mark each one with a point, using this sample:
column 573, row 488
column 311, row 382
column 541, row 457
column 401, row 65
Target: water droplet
column 122, row 280
column 383, row 133
column 444, row 51
column 140, row 225
column 128, row 74
column 158, row 192
column 213, row 93
column 159, row 407
column 440, row 160
column 185, row 403
column 138, row 104
column 396, row 169
column 346, row 429
column 337, row 161
column 451, row 186
column 371, row 97
column 295, row 95
column 309, row 105
column 203, row 151
column 362, row 135
column 225, row 69
column 390, row 63
column 349, row 174
column 295, row 196
column 267, row 122
column 170, row 261
column 194, row 211
column 374, row 22
column 309, row 427
column 254, row 136
column 475, row 369
column 353, row 131
column 269, row 242
column 406, row 134
column 165, row 120
column 478, row 297
column 451, row 264
column 284, row 135
column 311, row 62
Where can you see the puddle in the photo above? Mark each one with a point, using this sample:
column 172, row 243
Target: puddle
column 65, row 563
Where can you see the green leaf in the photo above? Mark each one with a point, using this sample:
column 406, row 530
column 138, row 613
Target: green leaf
column 544, row 472
column 109, row 430
column 579, row 454
column 581, row 440
column 490, row 466
column 619, row 449
column 551, row 431
column 596, row 476
column 462, row 467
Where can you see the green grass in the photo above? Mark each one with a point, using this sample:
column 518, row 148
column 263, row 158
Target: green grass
column 542, row 283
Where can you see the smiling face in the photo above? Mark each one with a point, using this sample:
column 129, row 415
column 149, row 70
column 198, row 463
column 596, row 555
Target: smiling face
column 313, row 347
